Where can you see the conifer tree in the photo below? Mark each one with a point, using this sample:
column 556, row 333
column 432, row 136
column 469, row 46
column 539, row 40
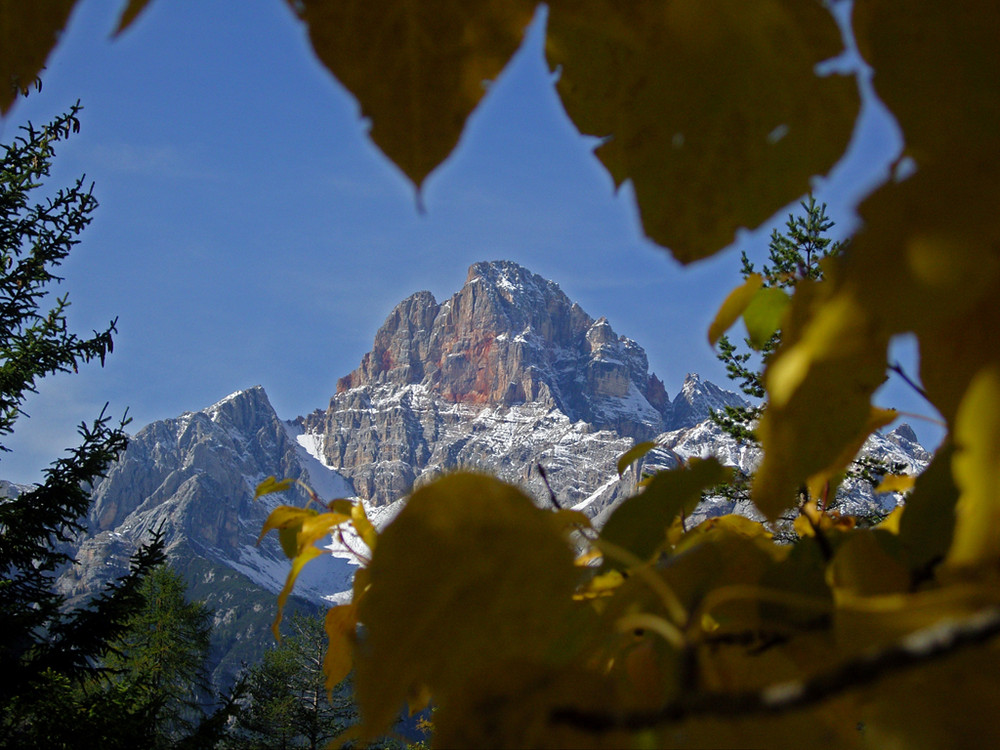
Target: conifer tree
column 47, row 648
column 160, row 660
column 287, row 704
column 794, row 255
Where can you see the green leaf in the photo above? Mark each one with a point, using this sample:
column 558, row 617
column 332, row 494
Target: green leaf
column 634, row 453
column 928, row 522
column 640, row 524
column 733, row 306
column 764, row 313
column 289, row 541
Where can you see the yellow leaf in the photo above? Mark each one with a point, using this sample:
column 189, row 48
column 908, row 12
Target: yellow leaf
column 763, row 315
column 340, row 624
column 891, row 522
column 602, row 584
column 831, row 361
column 976, row 467
column 570, row 520
column 687, row 96
column 828, row 477
column 309, row 553
column 359, row 585
column 639, row 525
column 362, row 525
column 418, row 700
column 271, row 484
column 316, row 527
column 633, row 454
column 960, row 72
column 732, row 307
column 28, row 33
column 468, row 575
column 417, row 69
column 587, row 557
column 896, row 483
column 862, row 553
column 284, row 517
column 340, row 505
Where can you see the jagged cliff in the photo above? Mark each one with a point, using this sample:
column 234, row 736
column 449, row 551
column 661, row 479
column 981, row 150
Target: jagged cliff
column 506, row 374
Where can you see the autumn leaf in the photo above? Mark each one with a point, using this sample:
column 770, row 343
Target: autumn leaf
column 132, row 11
column 633, row 454
column 418, row 69
column 340, row 624
column 494, row 577
column 639, row 525
column 733, row 306
column 687, row 97
column 763, row 315
column 976, row 468
column 28, row 33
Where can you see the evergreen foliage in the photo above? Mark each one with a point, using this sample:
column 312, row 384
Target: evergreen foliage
column 287, row 704
column 160, row 660
column 795, row 255
column 47, row 648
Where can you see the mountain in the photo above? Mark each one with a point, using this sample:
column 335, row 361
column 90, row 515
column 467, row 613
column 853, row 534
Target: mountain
column 194, row 478
column 506, row 375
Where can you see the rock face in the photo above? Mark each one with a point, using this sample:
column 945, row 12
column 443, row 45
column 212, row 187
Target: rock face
column 509, row 374
column 505, row 376
column 194, row 478
column 510, row 337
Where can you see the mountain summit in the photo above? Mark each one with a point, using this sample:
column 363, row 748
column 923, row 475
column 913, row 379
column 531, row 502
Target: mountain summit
column 510, row 337
column 506, row 374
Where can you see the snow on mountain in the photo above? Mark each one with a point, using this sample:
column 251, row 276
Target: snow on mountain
column 505, row 376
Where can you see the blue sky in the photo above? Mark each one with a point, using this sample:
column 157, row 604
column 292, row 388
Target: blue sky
column 249, row 232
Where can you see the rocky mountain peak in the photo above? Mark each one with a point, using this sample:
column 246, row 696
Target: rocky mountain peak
column 697, row 400
column 509, row 336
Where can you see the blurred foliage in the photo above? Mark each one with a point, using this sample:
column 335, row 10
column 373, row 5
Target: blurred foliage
column 719, row 635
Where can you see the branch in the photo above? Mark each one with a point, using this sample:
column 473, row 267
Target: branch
column 898, row 369
column 919, row 648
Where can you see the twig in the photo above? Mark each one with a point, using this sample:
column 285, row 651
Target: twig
column 917, row 649
column 552, row 495
column 898, row 369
